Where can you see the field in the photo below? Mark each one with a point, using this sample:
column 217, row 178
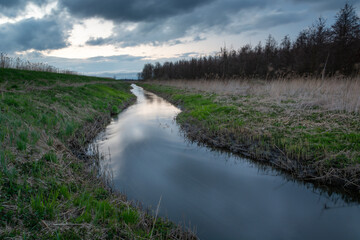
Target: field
column 46, row 191
column 308, row 127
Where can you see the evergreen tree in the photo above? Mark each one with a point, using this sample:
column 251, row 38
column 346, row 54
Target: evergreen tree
column 346, row 37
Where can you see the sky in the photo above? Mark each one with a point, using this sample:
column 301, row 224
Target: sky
column 117, row 37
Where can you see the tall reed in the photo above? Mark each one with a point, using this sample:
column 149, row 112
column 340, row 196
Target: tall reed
column 17, row 63
column 341, row 94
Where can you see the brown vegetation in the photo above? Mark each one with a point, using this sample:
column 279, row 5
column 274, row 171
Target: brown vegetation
column 331, row 94
column 20, row 64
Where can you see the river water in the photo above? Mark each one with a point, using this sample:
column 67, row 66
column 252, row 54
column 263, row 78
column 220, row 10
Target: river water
column 221, row 195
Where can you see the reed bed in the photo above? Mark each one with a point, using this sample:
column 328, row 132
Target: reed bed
column 7, row 62
column 339, row 94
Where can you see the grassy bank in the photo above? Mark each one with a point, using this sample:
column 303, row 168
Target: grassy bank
column 307, row 127
column 46, row 191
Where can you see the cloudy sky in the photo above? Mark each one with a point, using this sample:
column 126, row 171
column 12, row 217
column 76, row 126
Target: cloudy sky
column 119, row 36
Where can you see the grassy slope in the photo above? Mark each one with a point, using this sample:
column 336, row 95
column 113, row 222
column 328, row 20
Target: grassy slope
column 45, row 191
column 325, row 144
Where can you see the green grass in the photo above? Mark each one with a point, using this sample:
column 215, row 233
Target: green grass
column 20, row 79
column 324, row 140
column 45, row 192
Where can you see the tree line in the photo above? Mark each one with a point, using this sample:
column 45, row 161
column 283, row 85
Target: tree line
column 17, row 63
column 318, row 51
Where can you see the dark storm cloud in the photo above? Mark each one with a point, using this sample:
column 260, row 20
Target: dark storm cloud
column 20, row 3
column 38, row 34
column 150, row 10
column 11, row 8
column 327, row 4
column 7, row 3
column 131, row 10
column 270, row 20
column 158, row 21
column 220, row 17
column 154, row 22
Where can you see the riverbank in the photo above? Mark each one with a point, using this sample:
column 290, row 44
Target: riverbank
column 47, row 191
column 309, row 140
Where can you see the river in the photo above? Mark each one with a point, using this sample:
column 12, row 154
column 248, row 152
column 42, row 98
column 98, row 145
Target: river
column 221, row 195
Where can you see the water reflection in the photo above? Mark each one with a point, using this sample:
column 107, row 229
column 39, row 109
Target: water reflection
column 223, row 196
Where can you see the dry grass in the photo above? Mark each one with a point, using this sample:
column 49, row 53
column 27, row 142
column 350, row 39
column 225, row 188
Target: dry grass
column 329, row 94
column 17, row 63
